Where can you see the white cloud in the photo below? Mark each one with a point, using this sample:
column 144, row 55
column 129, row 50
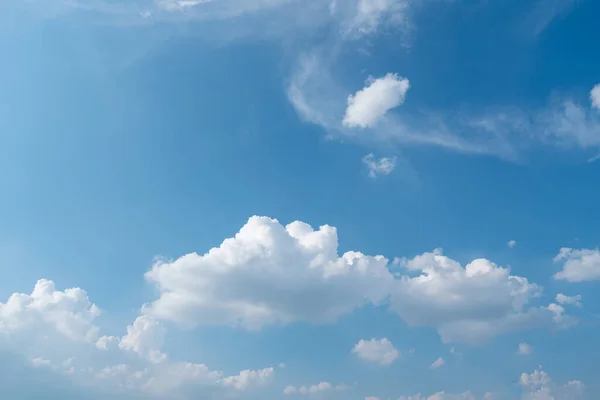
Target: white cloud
column 40, row 362
column 179, row 5
column 579, row 265
column 539, row 386
column 321, row 387
column 269, row 274
column 468, row 304
column 380, row 351
column 107, row 342
column 524, row 349
column 512, row 243
column 274, row 274
column 595, row 96
column 372, row 102
column 564, row 299
column 249, row 378
column 145, row 337
column 371, row 398
column 69, row 312
column 370, row 15
column 383, row 166
column 290, row 390
column 438, row 363
column 442, row 396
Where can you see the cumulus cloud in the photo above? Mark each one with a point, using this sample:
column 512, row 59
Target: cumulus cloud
column 269, row 274
column 578, row 265
column 380, row 351
column 573, row 300
column 375, row 167
column 539, row 386
column 248, row 378
column 469, row 304
column 512, row 243
column 69, row 313
column 438, row 363
column 372, row 102
column 274, row 274
column 595, row 97
column 57, row 326
column 145, row 337
column 524, row 349
column 321, row 387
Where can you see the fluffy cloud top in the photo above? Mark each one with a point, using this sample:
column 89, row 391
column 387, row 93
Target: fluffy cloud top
column 69, row 312
column 274, row 274
column 383, row 166
column 376, row 351
column 539, row 386
column 579, row 265
column 468, row 304
column 269, row 274
column 144, row 337
column 564, row 299
column 371, row 103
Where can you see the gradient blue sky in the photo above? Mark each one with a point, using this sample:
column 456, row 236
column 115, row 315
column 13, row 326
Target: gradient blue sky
column 134, row 133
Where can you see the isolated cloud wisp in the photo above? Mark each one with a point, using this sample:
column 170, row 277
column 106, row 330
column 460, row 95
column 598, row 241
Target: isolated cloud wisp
column 377, row 167
column 524, row 349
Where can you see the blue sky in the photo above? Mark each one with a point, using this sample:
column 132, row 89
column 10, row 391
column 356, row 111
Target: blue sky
column 270, row 199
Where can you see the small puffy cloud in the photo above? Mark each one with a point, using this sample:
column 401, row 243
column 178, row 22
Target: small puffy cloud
column 578, row 265
column 512, row 243
column 371, row 103
column 68, row 313
column 376, row 351
column 249, row 378
column 438, row 363
column 145, row 337
column 321, row 387
column 539, row 386
column 524, row 349
column 383, row 166
column 371, row 398
column 573, row 300
column 290, row 390
column 595, row 96
column 107, row 342
column 469, row 304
